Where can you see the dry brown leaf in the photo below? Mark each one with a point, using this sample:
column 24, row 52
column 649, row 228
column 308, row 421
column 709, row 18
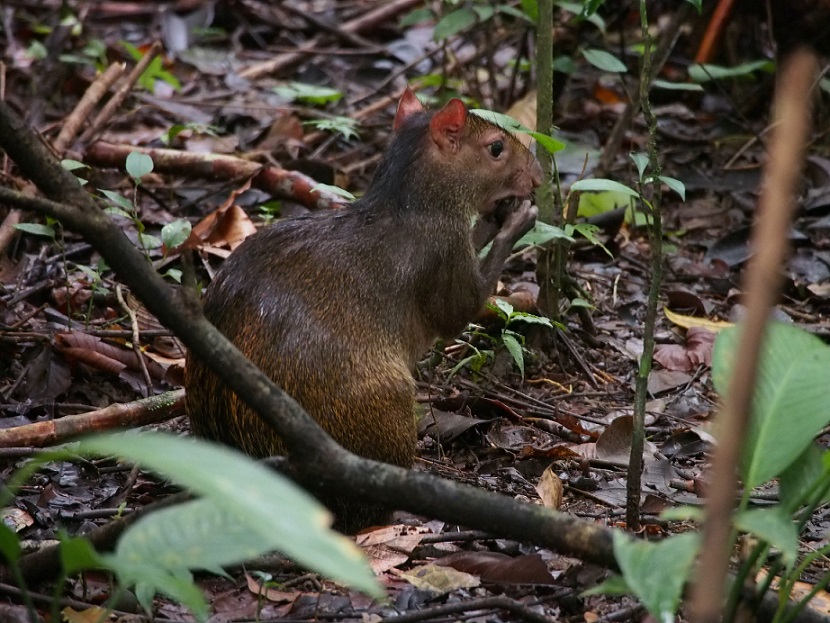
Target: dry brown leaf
column 389, row 546
column 270, row 593
column 550, row 489
column 438, row 579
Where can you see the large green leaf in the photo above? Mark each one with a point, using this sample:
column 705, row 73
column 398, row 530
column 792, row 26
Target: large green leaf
column 657, row 572
column 792, row 397
column 282, row 515
column 773, row 525
column 797, row 481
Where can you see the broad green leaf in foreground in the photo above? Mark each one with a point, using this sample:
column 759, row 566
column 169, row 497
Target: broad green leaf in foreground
column 285, row 517
column 602, row 185
column 657, row 572
column 792, row 397
column 798, row 480
column 773, row 525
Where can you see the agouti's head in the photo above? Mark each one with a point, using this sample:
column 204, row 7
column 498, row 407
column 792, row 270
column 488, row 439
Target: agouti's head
column 461, row 154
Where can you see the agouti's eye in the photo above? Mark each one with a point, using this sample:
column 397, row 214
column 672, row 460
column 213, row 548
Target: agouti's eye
column 496, row 148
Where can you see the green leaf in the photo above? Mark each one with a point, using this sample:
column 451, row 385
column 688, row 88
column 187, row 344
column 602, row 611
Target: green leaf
column 152, row 579
column 506, row 9
column 548, row 142
column 657, row 572
column 531, row 8
column 684, row 513
column 345, row 126
column 175, row 274
column 285, row 517
column 541, row 234
column 483, row 12
column 791, row 403
column 676, row 86
column 503, row 308
column 506, row 122
column 335, row 190
column 118, row 200
column 73, row 165
column 36, row 229
column 113, row 211
column 453, row 23
column 604, row 61
column 199, row 534
column 309, row 93
column 583, row 11
column 603, row 185
column 640, row 161
column 514, row 347
column 797, row 481
column 77, row 554
column 698, row 4
column 175, row 233
column 530, row 319
column 773, row 525
column 675, row 184
column 614, row 585
column 9, row 545
column 416, row 17
column 138, row 165
column 149, row 242
column 704, row 73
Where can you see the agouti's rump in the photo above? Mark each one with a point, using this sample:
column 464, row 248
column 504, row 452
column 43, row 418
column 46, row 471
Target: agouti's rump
column 337, row 307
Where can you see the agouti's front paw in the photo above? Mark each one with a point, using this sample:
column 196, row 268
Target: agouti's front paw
column 520, row 221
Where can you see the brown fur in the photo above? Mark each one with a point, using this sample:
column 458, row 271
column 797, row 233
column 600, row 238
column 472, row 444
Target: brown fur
column 338, row 307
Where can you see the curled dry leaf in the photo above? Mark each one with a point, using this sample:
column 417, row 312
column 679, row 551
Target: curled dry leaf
column 438, row 579
column 500, row 568
column 550, row 489
column 696, row 352
column 389, row 546
column 270, row 593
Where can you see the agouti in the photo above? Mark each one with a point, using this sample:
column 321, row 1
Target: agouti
column 337, row 307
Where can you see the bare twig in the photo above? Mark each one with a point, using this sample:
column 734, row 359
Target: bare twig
column 116, row 100
column 83, row 110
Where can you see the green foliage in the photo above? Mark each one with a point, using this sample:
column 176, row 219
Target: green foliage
column 38, row 229
column 197, row 128
column 335, row 190
column 704, row 73
column 270, row 210
column 345, row 126
column 138, row 165
column 93, row 53
column 175, row 233
column 155, row 70
column 791, row 404
column 244, row 510
column 506, row 122
column 308, row 93
column 511, row 339
column 605, row 61
column 542, row 233
column 655, row 572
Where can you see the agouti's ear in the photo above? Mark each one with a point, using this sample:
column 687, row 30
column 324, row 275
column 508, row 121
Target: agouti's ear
column 407, row 105
column 447, row 125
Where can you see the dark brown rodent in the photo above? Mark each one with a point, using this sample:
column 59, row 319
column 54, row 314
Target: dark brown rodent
column 337, row 307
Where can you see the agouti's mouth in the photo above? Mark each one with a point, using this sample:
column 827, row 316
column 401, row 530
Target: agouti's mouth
column 503, row 207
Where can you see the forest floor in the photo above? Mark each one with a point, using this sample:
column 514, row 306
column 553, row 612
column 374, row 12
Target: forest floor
column 232, row 82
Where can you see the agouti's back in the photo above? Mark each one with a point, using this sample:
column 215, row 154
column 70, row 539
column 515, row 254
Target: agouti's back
column 337, row 307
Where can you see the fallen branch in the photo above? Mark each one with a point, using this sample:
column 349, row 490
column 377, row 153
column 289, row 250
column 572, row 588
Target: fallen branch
column 273, row 180
column 139, row 413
